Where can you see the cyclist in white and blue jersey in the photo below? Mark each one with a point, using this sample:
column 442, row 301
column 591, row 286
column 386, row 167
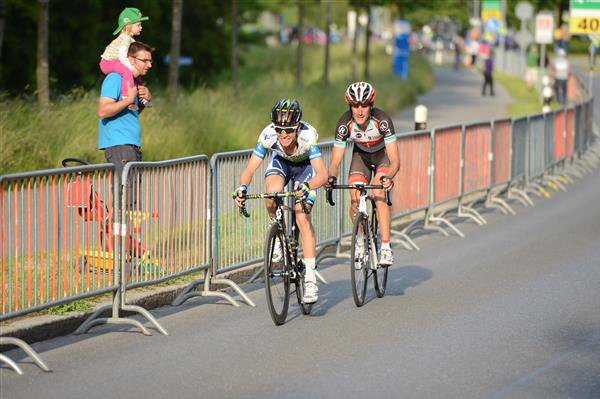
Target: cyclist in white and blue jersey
column 295, row 155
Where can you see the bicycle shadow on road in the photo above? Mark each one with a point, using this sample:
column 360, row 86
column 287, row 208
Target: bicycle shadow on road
column 404, row 277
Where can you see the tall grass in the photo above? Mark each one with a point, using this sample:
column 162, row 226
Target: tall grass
column 208, row 119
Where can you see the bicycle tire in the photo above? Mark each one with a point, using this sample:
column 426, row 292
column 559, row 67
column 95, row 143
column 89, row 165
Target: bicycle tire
column 381, row 274
column 359, row 268
column 299, row 283
column 277, row 278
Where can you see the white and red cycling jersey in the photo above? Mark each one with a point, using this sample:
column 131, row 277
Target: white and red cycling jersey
column 378, row 133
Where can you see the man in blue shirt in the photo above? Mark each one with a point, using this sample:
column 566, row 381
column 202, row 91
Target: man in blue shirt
column 119, row 125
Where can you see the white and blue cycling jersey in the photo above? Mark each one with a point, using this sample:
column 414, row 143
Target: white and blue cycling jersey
column 307, row 144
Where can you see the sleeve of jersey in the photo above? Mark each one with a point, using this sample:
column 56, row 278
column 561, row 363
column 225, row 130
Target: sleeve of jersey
column 260, row 150
column 314, row 152
column 387, row 129
column 341, row 131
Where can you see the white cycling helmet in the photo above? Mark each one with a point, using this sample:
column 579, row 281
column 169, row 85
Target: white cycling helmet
column 360, row 93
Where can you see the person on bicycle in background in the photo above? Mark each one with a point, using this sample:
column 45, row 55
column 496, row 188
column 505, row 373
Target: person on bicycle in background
column 372, row 132
column 295, row 155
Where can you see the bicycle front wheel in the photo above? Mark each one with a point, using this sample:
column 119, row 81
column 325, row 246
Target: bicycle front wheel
column 359, row 260
column 381, row 274
column 277, row 277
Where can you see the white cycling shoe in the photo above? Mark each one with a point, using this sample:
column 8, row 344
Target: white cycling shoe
column 386, row 258
column 311, row 292
column 277, row 254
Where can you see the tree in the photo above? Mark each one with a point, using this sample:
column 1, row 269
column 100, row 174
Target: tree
column 234, row 49
column 300, row 42
column 43, row 94
column 2, row 19
column 355, row 46
column 175, row 50
column 327, row 34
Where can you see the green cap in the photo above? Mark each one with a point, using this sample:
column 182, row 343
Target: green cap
column 129, row 16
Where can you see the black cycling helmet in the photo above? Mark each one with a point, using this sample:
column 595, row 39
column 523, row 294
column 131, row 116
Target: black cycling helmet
column 286, row 113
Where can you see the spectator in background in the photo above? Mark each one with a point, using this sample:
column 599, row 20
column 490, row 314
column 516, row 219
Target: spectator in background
column 473, row 50
column 560, row 71
column 488, row 79
column 533, row 61
column 458, row 46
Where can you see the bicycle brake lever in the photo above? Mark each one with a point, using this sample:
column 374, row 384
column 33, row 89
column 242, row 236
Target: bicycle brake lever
column 244, row 212
column 388, row 197
column 330, row 196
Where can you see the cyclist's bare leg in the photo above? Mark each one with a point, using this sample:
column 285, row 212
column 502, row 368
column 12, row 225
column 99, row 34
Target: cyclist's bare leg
column 307, row 233
column 383, row 210
column 273, row 183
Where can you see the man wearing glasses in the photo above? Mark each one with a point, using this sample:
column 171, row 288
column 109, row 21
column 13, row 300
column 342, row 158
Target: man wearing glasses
column 296, row 155
column 375, row 148
column 119, row 126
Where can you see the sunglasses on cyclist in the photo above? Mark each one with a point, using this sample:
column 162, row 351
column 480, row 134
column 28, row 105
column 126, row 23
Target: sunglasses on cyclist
column 287, row 130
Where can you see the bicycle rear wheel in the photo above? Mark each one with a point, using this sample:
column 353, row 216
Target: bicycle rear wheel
column 359, row 263
column 381, row 274
column 277, row 277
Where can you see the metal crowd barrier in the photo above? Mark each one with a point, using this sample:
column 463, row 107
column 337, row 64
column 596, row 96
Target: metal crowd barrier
column 67, row 235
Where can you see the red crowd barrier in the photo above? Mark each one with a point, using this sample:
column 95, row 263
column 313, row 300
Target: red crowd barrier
column 476, row 173
column 411, row 189
column 447, row 163
column 501, row 151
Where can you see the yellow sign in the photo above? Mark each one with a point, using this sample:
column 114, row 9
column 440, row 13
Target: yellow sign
column 488, row 14
column 584, row 25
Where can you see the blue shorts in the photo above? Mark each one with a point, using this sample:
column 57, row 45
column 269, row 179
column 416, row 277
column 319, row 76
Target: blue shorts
column 301, row 172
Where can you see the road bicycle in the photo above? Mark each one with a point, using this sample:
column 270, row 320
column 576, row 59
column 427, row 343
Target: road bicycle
column 367, row 265
column 279, row 274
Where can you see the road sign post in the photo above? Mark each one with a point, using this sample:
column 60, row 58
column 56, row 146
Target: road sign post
column 544, row 26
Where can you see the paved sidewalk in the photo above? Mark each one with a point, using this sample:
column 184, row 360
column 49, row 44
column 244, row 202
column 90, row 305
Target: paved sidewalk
column 455, row 98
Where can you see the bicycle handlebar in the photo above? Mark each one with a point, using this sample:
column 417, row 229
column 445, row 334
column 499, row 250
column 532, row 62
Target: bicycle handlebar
column 360, row 187
column 285, row 194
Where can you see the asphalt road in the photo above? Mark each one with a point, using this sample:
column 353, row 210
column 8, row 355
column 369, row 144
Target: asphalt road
column 510, row 311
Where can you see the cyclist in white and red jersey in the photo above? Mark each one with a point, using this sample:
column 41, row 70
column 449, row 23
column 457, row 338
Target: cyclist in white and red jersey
column 372, row 132
column 296, row 155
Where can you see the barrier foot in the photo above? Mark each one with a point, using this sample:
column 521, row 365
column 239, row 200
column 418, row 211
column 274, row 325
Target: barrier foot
column 11, row 364
column 84, row 326
column 147, row 315
column 519, row 195
column 565, row 179
column 436, row 219
column 26, row 348
column 236, row 288
column 186, row 294
column 538, row 190
column 467, row 211
column 321, row 278
column 496, row 202
column 404, row 239
column 556, row 181
column 256, row 275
